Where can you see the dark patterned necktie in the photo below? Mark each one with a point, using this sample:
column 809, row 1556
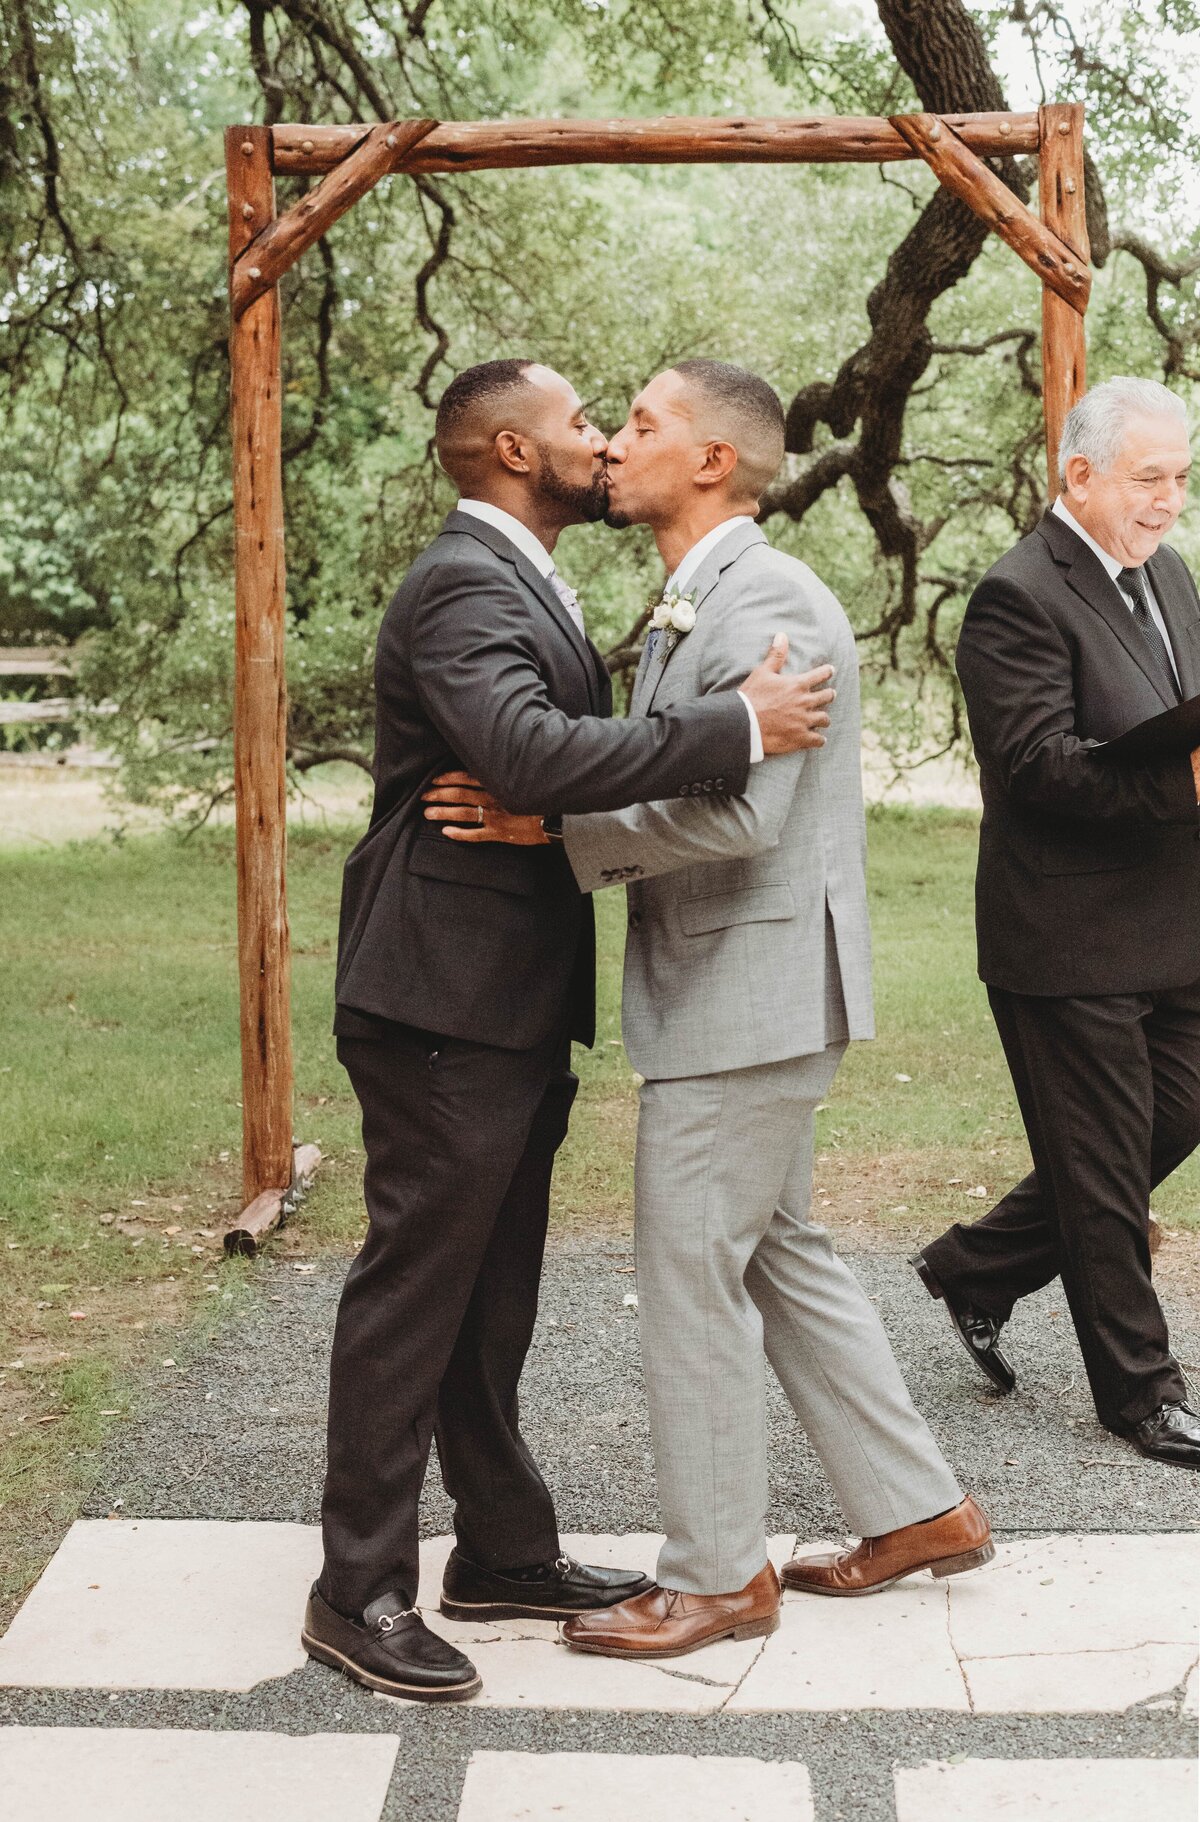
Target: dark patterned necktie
column 1133, row 581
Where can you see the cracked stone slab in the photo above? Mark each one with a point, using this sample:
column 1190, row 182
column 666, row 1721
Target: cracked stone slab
column 1074, row 1624
column 523, row 1664
column 1061, row 1624
column 1047, row 1790
column 165, row 1604
column 134, row 1774
column 596, row 1786
column 888, row 1650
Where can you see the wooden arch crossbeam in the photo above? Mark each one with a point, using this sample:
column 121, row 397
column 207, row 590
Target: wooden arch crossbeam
column 350, row 160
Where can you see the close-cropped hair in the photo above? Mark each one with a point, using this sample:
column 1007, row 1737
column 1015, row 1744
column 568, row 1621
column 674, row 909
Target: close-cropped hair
column 470, row 388
column 736, row 390
column 1096, row 426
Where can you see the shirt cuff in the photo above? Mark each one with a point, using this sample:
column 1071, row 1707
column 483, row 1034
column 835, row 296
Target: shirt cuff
column 756, row 744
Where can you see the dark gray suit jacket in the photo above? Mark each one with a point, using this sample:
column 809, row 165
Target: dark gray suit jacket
column 478, row 664
column 1089, row 870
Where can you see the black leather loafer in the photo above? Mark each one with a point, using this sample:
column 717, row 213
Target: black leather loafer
column 392, row 1650
column 553, row 1591
column 978, row 1332
column 1171, row 1434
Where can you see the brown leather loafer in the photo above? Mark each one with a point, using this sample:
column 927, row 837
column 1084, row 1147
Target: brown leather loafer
column 665, row 1623
column 958, row 1540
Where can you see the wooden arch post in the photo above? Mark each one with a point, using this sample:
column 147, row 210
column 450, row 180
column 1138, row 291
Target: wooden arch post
column 260, row 689
column 262, row 246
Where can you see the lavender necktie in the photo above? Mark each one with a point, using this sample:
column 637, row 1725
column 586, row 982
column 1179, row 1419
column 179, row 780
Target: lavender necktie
column 569, row 599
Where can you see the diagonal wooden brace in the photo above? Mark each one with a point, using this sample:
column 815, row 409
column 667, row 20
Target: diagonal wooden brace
column 966, row 176
column 280, row 244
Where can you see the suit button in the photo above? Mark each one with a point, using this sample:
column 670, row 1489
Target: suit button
column 720, row 783
column 635, row 920
column 708, row 784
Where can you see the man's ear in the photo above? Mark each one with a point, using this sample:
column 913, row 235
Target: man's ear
column 720, row 460
column 513, row 451
column 1078, row 474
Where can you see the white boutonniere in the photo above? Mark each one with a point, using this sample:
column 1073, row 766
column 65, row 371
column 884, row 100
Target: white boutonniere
column 673, row 616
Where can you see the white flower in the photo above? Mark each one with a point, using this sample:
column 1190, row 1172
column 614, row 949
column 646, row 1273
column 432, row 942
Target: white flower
column 683, row 615
column 661, row 617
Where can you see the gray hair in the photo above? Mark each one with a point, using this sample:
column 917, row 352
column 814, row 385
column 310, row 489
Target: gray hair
column 1096, row 426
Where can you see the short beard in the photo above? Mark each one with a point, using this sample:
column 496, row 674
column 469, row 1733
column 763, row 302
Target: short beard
column 617, row 520
column 588, row 501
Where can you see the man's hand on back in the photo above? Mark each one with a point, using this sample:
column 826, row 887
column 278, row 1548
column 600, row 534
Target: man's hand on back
column 791, row 710
column 1196, row 771
column 472, row 814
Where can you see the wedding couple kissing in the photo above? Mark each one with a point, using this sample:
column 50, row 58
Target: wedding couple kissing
column 729, row 804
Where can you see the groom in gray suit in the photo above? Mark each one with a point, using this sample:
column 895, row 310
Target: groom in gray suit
column 747, row 972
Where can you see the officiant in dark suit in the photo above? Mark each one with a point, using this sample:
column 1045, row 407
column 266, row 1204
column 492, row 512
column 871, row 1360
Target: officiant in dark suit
column 464, row 972
column 1088, row 908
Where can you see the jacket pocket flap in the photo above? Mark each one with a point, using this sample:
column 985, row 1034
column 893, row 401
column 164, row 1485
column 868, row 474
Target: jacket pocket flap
column 751, row 905
column 486, row 864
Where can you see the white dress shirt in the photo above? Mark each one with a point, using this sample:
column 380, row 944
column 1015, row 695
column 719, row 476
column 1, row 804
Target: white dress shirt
column 535, row 551
column 1113, row 567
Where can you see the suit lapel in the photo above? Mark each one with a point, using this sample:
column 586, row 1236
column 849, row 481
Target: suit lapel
column 640, row 682
column 725, row 553
column 536, row 585
column 1180, row 617
column 1087, row 577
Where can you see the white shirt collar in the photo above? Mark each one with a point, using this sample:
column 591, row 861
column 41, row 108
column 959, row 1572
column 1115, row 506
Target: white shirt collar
column 530, row 547
column 692, row 560
column 1113, row 565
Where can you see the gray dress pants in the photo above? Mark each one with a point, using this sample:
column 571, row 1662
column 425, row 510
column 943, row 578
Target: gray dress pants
column 729, row 1264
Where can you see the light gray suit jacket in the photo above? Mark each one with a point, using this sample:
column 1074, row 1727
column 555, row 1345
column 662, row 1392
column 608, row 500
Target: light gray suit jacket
column 726, row 952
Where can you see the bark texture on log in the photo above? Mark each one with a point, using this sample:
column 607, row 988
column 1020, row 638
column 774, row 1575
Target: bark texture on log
column 1062, row 196
column 279, row 245
column 260, row 695
column 260, row 1218
column 487, row 145
column 958, row 170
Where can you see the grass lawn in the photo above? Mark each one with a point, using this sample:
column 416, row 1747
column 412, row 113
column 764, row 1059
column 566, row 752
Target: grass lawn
column 119, row 1116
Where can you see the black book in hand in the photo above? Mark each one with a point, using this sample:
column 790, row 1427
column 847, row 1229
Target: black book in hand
column 1176, row 730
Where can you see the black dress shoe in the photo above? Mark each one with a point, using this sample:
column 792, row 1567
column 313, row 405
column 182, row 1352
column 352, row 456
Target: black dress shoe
column 978, row 1332
column 1172, row 1433
column 551, row 1591
column 392, row 1650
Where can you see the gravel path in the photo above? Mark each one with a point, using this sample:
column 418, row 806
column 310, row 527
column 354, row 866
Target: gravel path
column 236, row 1432
column 239, row 1431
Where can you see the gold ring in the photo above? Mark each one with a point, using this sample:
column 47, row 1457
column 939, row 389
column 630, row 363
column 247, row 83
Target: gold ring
column 479, row 813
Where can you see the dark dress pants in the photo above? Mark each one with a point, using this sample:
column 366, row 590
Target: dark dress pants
column 439, row 1306
column 1109, row 1090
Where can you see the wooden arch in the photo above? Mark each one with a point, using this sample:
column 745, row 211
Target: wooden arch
column 262, row 246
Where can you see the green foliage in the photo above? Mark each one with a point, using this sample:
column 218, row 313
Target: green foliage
column 114, row 524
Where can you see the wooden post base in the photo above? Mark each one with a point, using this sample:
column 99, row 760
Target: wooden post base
column 275, row 1207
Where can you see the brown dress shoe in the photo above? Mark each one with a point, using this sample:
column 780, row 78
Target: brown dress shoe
column 664, row 1623
column 958, row 1540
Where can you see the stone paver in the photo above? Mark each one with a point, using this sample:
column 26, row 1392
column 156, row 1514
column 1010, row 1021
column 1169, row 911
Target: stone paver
column 890, row 1650
column 1040, row 1790
column 164, row 1604
column 1077, row 1623
column 1065, row 1624
column 135, row 1774
column 598, row 1786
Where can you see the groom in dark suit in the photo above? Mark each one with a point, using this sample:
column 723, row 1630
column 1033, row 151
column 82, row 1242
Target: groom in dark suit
column 1088, row 908
column 464, row 972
